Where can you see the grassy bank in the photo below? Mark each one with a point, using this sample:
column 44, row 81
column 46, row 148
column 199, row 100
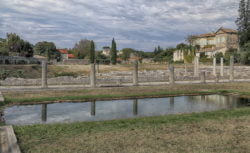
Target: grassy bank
column 29, row 97
column 220, row 131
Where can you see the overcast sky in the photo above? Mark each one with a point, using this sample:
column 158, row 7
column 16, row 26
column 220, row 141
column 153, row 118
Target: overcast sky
column 139, row 24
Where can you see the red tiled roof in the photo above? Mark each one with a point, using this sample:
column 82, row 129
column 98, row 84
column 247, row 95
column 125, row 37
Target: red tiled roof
column 207, row 35
column 71, row 56
column 63, row 51
column 227, row 30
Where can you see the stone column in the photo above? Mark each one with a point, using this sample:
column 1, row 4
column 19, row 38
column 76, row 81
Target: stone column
column 44, row 112
column 135, row 107
column 221, row 66
column 44, row 74
column 92, row 76
column 185, row 69
column 198, row 65
column 203, row 77
column 217, row 78
column 195, row 66
column 214, row 66
column 171, row 74
column 231, row 72
column 92, row 108
column 135, row 73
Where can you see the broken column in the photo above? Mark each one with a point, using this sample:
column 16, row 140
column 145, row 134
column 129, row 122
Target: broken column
column 231, row 71
column 44, row 74
column 92, row 76
column 214, row 66
column 221, row 66
column 171, row 74
column 203, row 77
column 135, row 73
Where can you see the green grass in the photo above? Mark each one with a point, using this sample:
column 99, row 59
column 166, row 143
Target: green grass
column 10, row 100
column 33, row 138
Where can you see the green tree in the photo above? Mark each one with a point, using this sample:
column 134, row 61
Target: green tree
column 92, row 52
column 126, row 52
column 81, row 49
column 17, row 46
column 243, row 22
column 47, row 49
column 113, row 53
column 3, row 47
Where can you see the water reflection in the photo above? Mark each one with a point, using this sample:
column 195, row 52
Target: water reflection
column 117, row 109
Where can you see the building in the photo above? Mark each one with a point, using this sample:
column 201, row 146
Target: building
column 106, row 51
column 65, row 54
column 212, row 43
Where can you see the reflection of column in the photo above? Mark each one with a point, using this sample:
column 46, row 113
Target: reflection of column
column 93, row 108
column 135, row 107
column 203, row 97
column 171, row 100
column 44, row 112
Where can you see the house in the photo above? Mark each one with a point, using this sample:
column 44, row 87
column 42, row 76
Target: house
column 106, row 51
column 65, row 54
column 212, row 43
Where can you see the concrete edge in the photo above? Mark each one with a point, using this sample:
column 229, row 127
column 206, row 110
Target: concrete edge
column 8, row 140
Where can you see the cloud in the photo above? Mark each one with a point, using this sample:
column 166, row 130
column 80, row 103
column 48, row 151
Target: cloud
column 141, row 24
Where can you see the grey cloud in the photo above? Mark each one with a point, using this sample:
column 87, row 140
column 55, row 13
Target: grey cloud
column 141, row 24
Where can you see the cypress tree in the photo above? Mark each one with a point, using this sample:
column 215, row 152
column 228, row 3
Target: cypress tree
column 92, row 52
column 113, row 52
column 242, row 21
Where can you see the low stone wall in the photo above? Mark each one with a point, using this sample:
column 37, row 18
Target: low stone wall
column 181, row 74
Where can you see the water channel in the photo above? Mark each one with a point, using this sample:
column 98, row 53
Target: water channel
column 117, row 109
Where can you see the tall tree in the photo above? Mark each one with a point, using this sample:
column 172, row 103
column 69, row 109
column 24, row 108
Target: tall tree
column 243, row 22
column 113, row 52
column 17, row 46
column 92, row 52
column 47, row 49
column 81, row 49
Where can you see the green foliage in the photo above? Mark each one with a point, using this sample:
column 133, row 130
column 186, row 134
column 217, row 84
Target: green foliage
column 126, row 52
column 4, row 74
column 231, row 52
column 113, row 52
column 92, row 52
column 82, row 48
column 19, row 74
column 165, row 55
column 243, row 22
column 16, row 46
column 3, row 47
column 66, row 74
column 47, row 49
column 218, row 56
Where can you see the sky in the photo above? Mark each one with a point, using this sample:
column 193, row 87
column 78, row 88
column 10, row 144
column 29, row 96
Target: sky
column 139, row 24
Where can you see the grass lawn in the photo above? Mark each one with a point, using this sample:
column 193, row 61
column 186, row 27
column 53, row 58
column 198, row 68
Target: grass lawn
column 220, row 131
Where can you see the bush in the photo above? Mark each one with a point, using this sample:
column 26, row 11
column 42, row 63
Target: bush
column 66, row 74
column 4, row 74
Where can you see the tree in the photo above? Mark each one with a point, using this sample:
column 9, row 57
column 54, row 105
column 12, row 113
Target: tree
column 113, row 53
column 47, row 49
column 126, row 52
column 17, row 46
column 81, row 49
column 243, row 22
column 3, row 47
column 92, row 52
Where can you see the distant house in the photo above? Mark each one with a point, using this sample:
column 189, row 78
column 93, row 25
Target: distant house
column 65, row 54
column 212, row 43
column 106, row 51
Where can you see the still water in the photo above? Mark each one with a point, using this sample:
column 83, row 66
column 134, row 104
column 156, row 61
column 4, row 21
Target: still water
column 118, row 109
